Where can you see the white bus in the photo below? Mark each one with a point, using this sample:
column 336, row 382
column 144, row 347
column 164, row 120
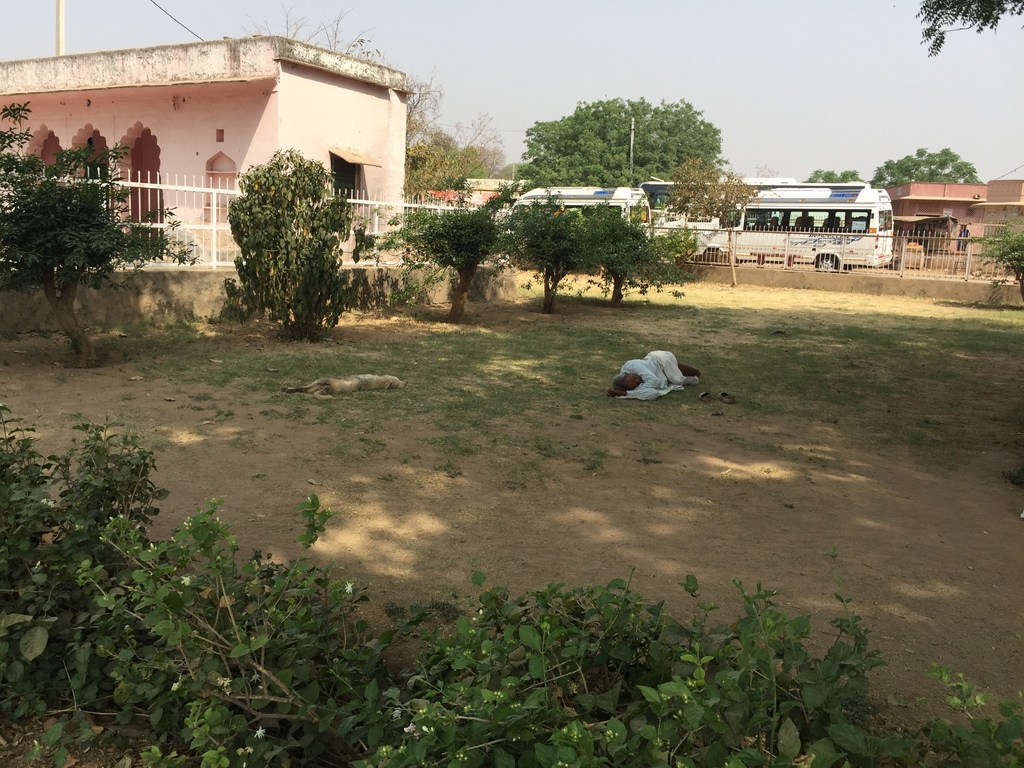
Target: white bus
column 829, row 226
column 633, row 202
column 658, row 190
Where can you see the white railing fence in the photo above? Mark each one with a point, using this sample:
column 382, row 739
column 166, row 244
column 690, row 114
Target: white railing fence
column 199, row 208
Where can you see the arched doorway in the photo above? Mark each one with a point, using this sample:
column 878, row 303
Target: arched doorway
column 98, row 166
column 143, row 167
column 45, row 144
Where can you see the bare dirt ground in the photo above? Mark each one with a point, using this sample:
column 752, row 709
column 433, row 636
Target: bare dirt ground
column 930, row 555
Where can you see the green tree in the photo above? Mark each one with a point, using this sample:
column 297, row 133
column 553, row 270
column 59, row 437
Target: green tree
column 702, row 191
column 625, row 254
column 290, row 229
column 438, row 162
column 435, row 159
column 590, row 147
column 68, row 225
column 821, row 176
column 1006, row 246
column 550, row 240
column 456, row 240
column 942, row 16
column 945, row 166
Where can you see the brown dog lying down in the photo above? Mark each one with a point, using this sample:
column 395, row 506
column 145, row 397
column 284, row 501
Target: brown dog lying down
column 325, row 388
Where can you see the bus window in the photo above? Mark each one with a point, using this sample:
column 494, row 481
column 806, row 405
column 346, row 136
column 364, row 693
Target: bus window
column 860, row 222
column 884, row 221
column 803, row 221
column 756, row 220
column 838, row 222
column 659, row 199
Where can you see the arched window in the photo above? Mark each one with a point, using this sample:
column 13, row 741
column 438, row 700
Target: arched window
column 221, row 173
column 45, row 144
column 143, row 168
column 89, row 137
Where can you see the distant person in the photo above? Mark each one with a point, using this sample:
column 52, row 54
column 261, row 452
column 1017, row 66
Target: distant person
column 964, row 236
column 655, row 375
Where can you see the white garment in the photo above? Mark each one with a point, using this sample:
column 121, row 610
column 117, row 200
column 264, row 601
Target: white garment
column 659, row 374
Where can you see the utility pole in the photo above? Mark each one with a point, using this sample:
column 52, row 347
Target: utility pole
column 632, row 133
column 60, row 27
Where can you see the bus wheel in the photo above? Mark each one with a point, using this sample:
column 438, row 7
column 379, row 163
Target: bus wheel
column 828, row 262
column 715, row 256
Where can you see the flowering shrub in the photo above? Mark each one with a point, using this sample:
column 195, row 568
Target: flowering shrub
column 595, row 676
column 239, row 662
column 246, row 659
column 52, row 512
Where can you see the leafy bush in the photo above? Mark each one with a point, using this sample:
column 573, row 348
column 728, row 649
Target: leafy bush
column 1006, row 246
column 457, row 240
column 247, row 662
column 627, row 257
column 594, row 676
column 290, row 228
column 678, row 244
column 233, row 662
column 56, row 642
column 985, row 742
column 68, row 224
column 550, row 240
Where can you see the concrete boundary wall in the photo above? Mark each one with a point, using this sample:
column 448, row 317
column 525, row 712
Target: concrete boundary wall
column 160, row 297
column 961, row 291
column 165, row 296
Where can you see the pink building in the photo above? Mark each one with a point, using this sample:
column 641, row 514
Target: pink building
column 210, row 110
column 937, row 208
column 1005, row 201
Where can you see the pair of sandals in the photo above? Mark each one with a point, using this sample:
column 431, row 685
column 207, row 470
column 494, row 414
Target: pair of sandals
column 725, row 397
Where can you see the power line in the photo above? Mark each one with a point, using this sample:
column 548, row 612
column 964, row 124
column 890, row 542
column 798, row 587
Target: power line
column 197, row 37
column 1009, row 172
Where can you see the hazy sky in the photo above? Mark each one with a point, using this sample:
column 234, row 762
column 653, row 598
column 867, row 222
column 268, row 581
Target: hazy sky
column 793, row 85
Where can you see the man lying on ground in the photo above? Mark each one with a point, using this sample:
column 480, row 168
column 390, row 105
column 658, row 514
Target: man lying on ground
column 655, row 375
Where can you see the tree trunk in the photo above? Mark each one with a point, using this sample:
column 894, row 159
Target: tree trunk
column 617, row 281
column 1020, row 283
column 461, row 292
column 551, row 280
column 63, row 305
column 732, row 257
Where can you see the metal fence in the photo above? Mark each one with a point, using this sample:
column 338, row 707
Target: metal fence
column 913, row 255
column 198, row 206
column 200, row 209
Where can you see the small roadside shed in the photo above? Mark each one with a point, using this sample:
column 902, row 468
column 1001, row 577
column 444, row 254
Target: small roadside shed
column 207, row 111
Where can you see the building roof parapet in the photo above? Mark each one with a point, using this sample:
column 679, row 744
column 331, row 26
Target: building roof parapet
column 937, row 190
column 228, row 60
column 936, row 198
column 1006, row 192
